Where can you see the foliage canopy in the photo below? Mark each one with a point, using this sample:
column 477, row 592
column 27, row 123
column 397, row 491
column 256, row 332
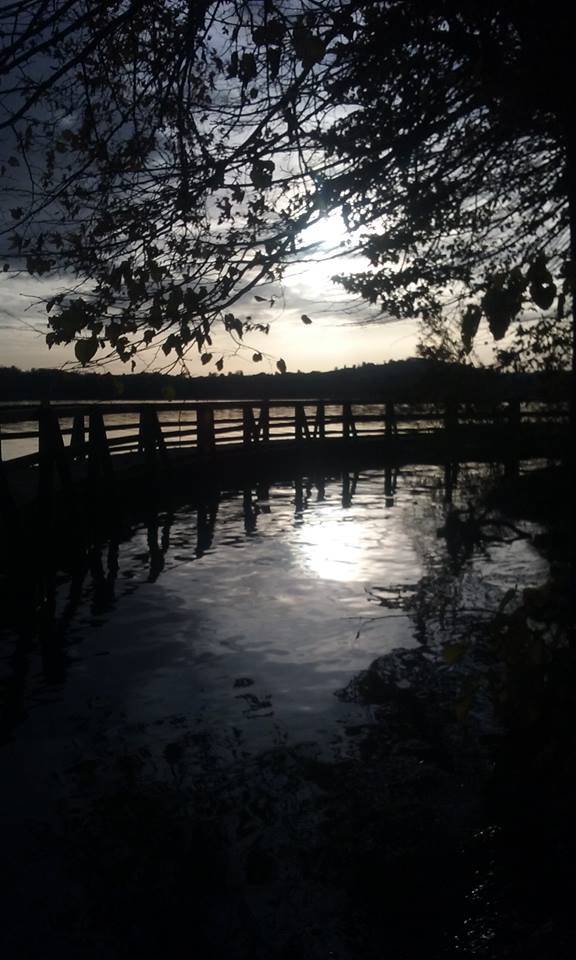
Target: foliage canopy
column 170, row 153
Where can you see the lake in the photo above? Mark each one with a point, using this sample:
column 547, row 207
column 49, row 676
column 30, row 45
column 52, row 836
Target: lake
column 205, row 657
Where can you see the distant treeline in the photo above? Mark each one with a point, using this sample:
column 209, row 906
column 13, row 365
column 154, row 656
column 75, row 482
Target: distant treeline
column 403, row 379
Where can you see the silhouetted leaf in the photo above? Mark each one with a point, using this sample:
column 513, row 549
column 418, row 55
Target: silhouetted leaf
column 262, row 173
column 309, row 47
column 470, row 323
column 305, row 318
column 281, row 366
column 273, row 58
column 247, row 67
column 272, row 32
column 503, row 301
column 85, row 350
column 206, row 357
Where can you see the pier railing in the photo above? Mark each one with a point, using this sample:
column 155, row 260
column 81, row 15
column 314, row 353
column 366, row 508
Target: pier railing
column 98, row 433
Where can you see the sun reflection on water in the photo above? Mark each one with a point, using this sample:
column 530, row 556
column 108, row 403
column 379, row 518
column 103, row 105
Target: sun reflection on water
column 335, row 547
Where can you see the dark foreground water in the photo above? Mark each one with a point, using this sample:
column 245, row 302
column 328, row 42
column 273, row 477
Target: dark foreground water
column 263, row 725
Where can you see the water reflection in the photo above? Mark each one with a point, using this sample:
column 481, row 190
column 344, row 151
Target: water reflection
column 200, row 646
column 276, row 580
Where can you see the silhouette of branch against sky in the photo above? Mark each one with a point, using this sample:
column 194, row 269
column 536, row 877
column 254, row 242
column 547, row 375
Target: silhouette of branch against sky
column 179, row 177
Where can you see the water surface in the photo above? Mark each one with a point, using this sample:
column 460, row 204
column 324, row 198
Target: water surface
column 208, row 637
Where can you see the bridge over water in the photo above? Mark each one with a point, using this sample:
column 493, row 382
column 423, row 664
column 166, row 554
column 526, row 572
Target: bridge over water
column 50, row 450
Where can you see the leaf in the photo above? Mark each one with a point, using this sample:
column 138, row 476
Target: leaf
column 543, row 294
column 273, row 57
column 233, row 324
column 172, row 343
column 233, row 65
column 305, row 318
column 260, row 299
column 470, row 323
column 256, row 357
column 37, row 264
column 272, row 32
column 85, row 350
column 503, row 301
column 247, row 67
column 262, row 173
column 206, row 357
column 309, row 47
column 281, row 366
column 220, row 363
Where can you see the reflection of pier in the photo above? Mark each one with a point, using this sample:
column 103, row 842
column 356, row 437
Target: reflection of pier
column 94, row 444
column 49, row 582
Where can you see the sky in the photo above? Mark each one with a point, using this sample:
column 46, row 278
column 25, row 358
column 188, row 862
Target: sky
column 344, row 330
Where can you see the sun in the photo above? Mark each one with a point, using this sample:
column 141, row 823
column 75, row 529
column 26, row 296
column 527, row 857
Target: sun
column 329, row 232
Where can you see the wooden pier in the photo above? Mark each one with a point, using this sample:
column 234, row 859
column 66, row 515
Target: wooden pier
column 68, row 446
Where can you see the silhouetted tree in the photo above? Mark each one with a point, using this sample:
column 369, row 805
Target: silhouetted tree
column 457, row 152
column 178, row 149
column 143, row 144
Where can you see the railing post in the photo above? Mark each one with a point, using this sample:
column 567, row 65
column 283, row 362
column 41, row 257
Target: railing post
column 78, row 438
column 205, row 436
column 320, row 422
column 264, row 422
column 348, row 425
column 390, row 424
column 253, row 431
column 151, row 439
column 301, row 428
column 45, row 460
column 99, row 460
column 451, row 416
column 514, row 414
column 52, row 454
column 248, row 426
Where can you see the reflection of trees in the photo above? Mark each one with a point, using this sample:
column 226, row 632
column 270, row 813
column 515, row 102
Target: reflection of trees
column 485, row 705
column 86, row 566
